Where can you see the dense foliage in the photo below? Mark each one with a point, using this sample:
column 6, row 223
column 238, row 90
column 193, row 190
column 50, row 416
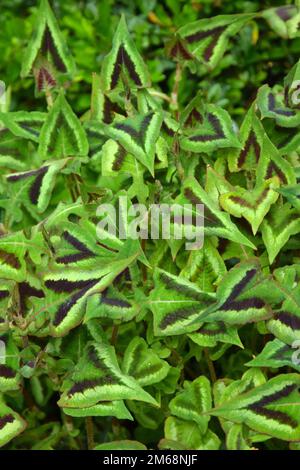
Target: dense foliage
column 115, row 343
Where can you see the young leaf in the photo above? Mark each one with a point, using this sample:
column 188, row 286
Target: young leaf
column 138, row 135
column 143, row 364
column 252, row 205
column 124, row 62
column 48, row 42
column 192, row 402
column 214, row 130
column 62, row 134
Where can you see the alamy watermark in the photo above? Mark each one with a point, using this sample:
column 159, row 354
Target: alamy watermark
column 2, row 352
column 158, row 221
column 2, row 94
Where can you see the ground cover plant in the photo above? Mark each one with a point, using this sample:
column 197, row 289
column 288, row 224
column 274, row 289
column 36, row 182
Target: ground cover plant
column 140, row 343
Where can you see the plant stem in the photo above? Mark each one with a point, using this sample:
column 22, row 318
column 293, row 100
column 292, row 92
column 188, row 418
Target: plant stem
column 89, row 426
column 211, row 366
column 114, row 335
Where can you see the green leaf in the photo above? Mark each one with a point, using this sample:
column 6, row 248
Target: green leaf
column 252, row 205
column 124, row 62
column 138, row 135
column 115, row 408
column 62, row 134
column 241, row 297
column 272, row 408
column 208, row 40
column 33, row 189
column 193, row 402
column 175, row 303
column 275, row 354
column 284, row 20
column 143, row 364
column 272, row 105
column 210, row 334
column 277, row 229
column 216, row 222
column 11, row 424
column 96, row 377
column 24, row 124
column 48, row 42
column 187, row 435
column 214, row 130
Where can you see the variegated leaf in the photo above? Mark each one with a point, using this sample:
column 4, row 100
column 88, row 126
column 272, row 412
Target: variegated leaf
column 278, row 227
column 192, row 402
column 208, row 40
column 143, row 364
column 97, row 377
column 11, row 424
column 48, row 42
column 175, row 303
column 214, row 130
column 252, row 205
column 115, row 408
column 275, row 354
column 138, row 135
column 62, row 134
column 284, row 20
column 271, row 103
column 24, row 124
column 124, row 63
column 242, row 297
column 216, row 222
column 272, row 408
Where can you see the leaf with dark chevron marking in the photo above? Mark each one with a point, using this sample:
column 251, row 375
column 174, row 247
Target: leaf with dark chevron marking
column 215, row 130
column 284, row 20
column 252, row 137
column 272, row 408
column 271, row 103
column 281, row 223
column 97, row 377
column 62, row 134
column 275, row 354
column 285, row 324
column 175, row 303
column 47, row 42
column 10, row 378
column 124, row 63
column 24, row 124
column 193, row 402
column 138, row 135
column 143, row 364
column 11, row 423
column 252, row 205
column 216, row 221
column 243, row 297
column 209, row 334
column 33, row 189
column 208, row 40
column 111, row 304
